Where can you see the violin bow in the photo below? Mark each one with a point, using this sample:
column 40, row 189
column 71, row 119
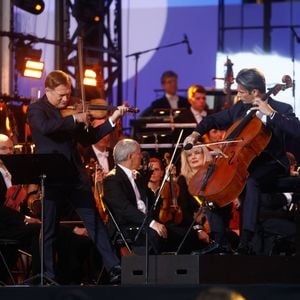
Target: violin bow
column 168, row 170
column 80, row 64
column 218, row 143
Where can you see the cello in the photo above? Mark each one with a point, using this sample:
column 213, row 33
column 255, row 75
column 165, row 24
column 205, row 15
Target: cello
column 244, row 140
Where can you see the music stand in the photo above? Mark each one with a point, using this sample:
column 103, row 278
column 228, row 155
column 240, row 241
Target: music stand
column 40, row 168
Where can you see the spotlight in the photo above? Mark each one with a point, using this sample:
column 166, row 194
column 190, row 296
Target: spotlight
column 88, row 11
column 33, row 69
column 35, row 7
column 90, row 77
column 28, row 60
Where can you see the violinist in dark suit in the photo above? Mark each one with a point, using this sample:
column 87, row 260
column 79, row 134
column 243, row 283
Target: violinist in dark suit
column 127, row 197
column 279, row 119
column 170, row 100
column 53, row 133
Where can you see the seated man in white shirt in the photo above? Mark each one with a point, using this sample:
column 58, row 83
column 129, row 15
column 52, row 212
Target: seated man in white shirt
column 127, row 197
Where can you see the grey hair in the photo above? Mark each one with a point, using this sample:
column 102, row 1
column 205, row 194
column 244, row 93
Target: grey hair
column 251, row 79
column 124, row 148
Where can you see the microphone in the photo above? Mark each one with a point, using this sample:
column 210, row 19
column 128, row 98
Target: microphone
column 186, row 41
column 188, row 146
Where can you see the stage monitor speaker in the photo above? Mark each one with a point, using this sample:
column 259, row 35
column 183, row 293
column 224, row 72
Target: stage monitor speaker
column 163, row 269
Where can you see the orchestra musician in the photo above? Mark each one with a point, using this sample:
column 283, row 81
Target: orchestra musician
column 170, row 99
column 186, row 205
column 279, row 119
column 277, row 219
column 127, row 198
column 212, row 228
column 13, row 224
column 53, row 133
column 198, row 108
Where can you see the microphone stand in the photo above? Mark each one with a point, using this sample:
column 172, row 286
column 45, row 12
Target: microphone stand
column 153, row 207
column 295, row 35
column 136, row 55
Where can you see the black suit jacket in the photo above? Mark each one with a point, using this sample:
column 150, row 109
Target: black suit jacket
column 3, row 190
column 120, row 196
column 283, row 125
column 186, row 116
column 53, row 133
column 88, row 153
column 164, row 103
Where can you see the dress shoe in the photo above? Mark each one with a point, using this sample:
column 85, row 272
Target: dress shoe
column 244, row 249
column 224, row 250
column 210, row 248
column 115, row 275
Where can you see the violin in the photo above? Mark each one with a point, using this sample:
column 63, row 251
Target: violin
column 170, row 210
column 225, row 177
column 97, row 108
column 15, row 196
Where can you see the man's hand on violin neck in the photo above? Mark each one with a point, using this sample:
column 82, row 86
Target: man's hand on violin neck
column 120, row 111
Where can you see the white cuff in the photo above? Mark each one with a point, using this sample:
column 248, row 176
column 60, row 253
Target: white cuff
column 111, row 122
column 272, row 115
column 151, row 224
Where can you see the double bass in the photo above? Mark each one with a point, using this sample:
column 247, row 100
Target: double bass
column 228, row 81
column 225, row 177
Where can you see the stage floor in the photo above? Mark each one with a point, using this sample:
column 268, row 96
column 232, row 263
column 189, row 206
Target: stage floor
column 137, row 292
column 182, row 277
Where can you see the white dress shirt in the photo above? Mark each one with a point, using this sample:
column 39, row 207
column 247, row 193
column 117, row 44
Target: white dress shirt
column 6, row 175
column 102, row 157
column 140, row 203
column 198, row 115
column 173, row 100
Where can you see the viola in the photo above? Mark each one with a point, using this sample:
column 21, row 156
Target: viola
column 225, row 177
column 170, row 211
column 15, row 196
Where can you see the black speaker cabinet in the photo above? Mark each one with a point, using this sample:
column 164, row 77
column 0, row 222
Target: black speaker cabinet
column 221, row 269
column 162, row 269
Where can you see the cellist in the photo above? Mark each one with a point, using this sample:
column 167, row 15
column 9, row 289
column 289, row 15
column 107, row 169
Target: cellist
column 279, row 119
